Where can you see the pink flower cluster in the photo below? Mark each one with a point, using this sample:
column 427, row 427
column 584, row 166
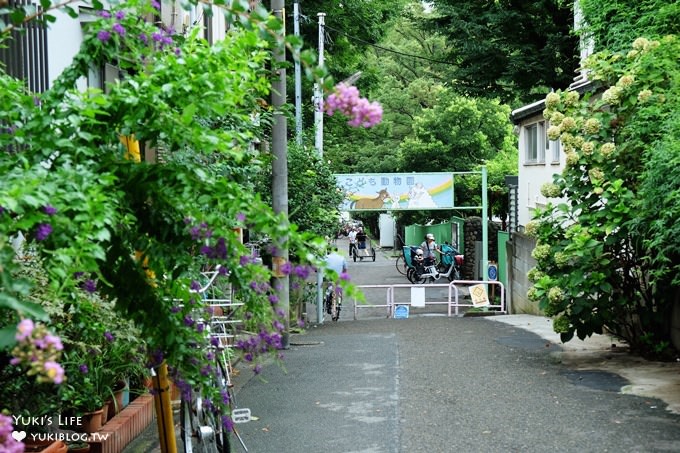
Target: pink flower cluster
column 345, row 99
column 7, row 443
column 38, row 350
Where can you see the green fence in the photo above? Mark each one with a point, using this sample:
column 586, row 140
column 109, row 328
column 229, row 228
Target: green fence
column 451, row 232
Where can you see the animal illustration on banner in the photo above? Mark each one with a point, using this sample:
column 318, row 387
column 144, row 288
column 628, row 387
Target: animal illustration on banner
column 419, row 197
column 372, row 203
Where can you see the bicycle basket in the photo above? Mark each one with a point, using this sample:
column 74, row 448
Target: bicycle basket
column 448, row 254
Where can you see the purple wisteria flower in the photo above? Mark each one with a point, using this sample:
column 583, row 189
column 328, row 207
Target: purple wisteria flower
column 49, row 209
column 89, row 285
column 257, row 369
column 120, row 15
column 273, row 299
column 188, row 321
column 105, row 14
column 43, row 230
column 301, row 272
column 241, row 217
column 245, row 260
column 227, row 423
column 195, row 286
column 286, row 268
column 156, row 5
column 104, row 35
column 84, row 369
column 108, row 336
column 118, row 28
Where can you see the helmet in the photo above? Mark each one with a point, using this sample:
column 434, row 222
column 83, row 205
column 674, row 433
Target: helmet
column 419, row 252
column 430, row 236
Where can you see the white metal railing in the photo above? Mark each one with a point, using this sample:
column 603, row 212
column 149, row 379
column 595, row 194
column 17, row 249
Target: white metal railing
column 452, row 301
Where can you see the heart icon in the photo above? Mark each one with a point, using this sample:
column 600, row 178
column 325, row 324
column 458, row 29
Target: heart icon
column 19, row 435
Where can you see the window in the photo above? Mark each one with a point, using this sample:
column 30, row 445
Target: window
column 555, row 145
column 535, row 143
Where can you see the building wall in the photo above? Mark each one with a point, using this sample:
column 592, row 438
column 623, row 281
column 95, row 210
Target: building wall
column 533, row 174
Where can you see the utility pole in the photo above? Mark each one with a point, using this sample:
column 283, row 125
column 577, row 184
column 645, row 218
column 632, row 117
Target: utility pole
column 298, row 78
column 280, row 168
column 318, row 144
column 318, row 93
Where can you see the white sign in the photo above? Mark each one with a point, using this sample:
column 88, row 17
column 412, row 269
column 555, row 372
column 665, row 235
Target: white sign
column 479, row 296
column 418, row 296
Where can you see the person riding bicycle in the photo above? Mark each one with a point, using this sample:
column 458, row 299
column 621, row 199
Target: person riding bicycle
column 430, row 247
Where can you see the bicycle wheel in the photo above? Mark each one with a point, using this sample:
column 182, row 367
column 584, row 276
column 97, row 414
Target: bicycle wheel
column 401, row 265
column 337, row 306
column 200, row 428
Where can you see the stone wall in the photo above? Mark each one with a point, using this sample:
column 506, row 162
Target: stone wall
column 473, row 234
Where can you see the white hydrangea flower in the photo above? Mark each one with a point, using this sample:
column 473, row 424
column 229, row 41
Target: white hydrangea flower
column 592, row 126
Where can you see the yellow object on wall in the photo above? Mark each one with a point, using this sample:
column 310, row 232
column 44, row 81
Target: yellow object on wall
column 132, row 147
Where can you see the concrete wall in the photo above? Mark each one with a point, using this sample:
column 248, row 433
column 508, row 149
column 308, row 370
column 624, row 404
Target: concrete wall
column 520, row 261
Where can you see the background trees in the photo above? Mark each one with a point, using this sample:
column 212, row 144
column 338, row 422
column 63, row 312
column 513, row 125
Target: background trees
column 515, row 51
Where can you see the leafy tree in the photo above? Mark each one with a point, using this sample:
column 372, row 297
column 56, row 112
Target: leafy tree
column 313, row 195
column 515, row 50
column 404, row 87
column 598, row 262
column 614, row 24
column 456, row 134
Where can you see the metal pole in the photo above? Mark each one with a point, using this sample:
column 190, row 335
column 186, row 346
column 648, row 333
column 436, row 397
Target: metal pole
column 318, row 144
column 485, row 228
column 298, row 78
column 318, row 93
column 280, row 169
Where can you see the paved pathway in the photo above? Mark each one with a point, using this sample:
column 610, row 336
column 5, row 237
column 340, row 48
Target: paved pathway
column 436, row 384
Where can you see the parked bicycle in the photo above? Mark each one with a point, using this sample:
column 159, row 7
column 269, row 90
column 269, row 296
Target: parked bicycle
column 333, row 301
column 202, row 427
column 418, row 272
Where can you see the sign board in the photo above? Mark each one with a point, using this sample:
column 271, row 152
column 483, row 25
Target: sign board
column 418, row 296
column 479, row 296
column 396, row 191
column 493, row 271
column 401, row 312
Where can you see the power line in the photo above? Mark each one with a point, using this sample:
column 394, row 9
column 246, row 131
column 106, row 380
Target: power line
column 403, row 54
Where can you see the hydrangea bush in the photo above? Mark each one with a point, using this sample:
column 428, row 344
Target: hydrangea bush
column 601, row 264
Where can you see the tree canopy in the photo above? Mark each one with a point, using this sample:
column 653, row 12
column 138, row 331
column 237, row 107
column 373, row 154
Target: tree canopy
column 516, row 51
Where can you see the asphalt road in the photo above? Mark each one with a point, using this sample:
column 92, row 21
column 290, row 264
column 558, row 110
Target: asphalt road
column 431, row 383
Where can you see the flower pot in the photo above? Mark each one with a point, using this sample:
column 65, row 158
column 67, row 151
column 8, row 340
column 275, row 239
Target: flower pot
column 44, row 446
column 81, row 448
column 91, row 421
column 105, row 412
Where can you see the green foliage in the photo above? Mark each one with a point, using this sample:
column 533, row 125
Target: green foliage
column 313, row 195
column 508, row 50
column 143, row 231
column 614, row 24
column 456, row 134
column 596, row 266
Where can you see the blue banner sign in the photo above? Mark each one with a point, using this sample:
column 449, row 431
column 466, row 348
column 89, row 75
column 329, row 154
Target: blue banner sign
column 393, row 191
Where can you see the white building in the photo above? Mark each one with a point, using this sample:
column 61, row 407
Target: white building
column 40, row 54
